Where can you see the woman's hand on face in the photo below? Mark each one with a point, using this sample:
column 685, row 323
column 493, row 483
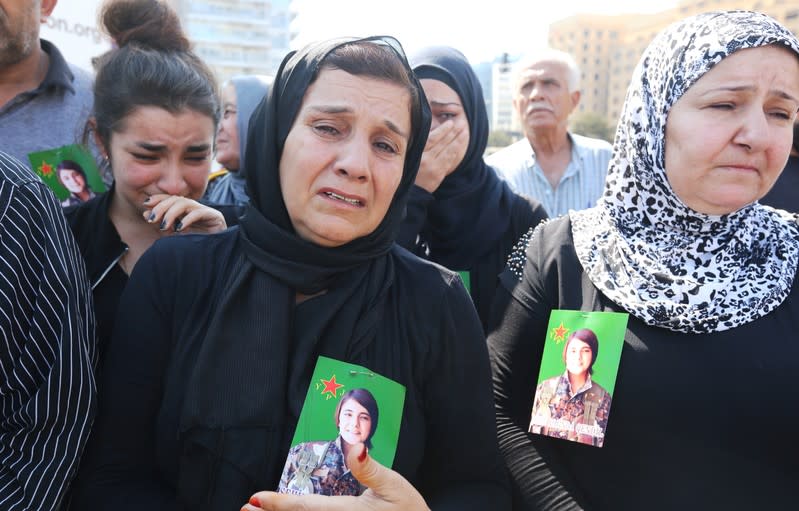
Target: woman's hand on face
column 179, row 214
column 442, row 154
column 388, row 491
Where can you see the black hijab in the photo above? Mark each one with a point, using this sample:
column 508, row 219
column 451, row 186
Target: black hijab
column 254, row 366
column 472, row 207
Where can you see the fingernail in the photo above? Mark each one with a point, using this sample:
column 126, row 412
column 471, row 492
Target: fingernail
column 151, row 217
column 254, row 501
column 362, row 456
column 163, row 225
column 178, row 226
column 147, row 199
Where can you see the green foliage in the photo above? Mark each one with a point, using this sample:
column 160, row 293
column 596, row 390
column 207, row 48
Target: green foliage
column 593, row 125
column 500, row 139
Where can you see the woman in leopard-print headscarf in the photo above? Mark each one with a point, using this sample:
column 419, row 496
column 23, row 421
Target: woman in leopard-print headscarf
column 704, row 403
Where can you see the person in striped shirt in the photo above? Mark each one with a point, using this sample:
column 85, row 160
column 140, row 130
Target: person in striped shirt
column 562, row 170
column 47, row 388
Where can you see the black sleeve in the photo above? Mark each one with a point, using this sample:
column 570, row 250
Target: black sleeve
column 120, row 470
column 464, row 471
column 415, row 216
column 47, row 348
column 539, row 480
column 231, row 212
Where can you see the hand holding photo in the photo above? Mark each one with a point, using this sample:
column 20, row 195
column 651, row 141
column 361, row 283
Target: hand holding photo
column 341, row 412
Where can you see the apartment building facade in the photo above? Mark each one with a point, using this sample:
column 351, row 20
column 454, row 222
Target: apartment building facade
column 608, row 48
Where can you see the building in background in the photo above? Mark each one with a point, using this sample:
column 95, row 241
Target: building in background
column 502, row 115
column 73, row 29
column 607, row 48
column 237, row 36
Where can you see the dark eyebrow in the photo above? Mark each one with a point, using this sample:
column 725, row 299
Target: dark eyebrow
column 160, row 148
column 749, row 88
column 156, row 148
column 443, row 103
column 393, row 127
column 346, row 110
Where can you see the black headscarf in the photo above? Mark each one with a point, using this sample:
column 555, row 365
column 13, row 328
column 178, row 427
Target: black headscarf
column 472, row 207
column 254, row 366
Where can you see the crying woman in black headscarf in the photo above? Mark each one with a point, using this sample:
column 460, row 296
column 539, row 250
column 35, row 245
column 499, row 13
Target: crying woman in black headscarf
column 219, row 335
column 460, row 214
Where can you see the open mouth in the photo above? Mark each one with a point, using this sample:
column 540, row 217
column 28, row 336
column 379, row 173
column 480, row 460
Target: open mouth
column 333, row 195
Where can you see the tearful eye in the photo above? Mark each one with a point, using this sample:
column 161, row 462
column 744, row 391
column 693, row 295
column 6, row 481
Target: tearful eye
column 782, row 115
column 386, row 147
column 326, row 129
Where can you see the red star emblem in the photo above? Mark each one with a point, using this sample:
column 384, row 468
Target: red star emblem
column 330, row 386
column 45, row 169
column 559, row 333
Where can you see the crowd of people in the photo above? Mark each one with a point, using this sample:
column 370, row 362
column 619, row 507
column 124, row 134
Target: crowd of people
column 161, row 337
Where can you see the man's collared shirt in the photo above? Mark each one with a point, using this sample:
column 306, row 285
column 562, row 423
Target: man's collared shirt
column 51, row 115
column 579, row 188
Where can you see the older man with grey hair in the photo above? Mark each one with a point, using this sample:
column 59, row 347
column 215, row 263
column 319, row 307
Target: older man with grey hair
column 562, row 170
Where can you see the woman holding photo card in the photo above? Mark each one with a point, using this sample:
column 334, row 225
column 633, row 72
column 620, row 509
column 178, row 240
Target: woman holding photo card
column 703, row 414
column 218, row 335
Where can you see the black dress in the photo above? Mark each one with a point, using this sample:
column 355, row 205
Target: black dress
column 482, row 270
column 102, row 248
column 699, row 421
column 430, row 342
column 472, row 221
column 785, row 192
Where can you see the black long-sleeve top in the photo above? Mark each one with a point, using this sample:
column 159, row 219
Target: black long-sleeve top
column 433, row 345
column 102, row 248
column 698, row 421
column 484, row 271
column 47, row 388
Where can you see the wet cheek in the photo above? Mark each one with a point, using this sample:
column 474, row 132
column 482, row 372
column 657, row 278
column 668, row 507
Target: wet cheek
column 134, row 176
column 197, row 182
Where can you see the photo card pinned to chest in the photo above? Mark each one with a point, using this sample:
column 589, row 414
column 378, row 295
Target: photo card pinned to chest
column 577, row 378
column 70, row 172
column 346, row 405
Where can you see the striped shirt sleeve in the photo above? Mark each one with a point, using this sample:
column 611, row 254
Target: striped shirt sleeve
column 47, row 345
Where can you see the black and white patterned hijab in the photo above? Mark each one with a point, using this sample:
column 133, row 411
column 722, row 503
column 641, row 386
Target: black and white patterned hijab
column 665, row 263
